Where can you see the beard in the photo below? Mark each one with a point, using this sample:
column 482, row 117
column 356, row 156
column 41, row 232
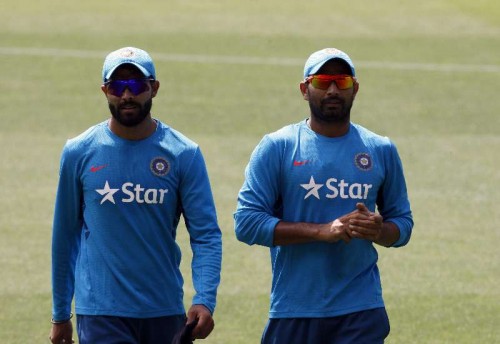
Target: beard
column 130, row 117
column 339, row 113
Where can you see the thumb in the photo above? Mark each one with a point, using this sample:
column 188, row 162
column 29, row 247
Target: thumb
column 362, row 207
column 191, row 317
column 191, row 324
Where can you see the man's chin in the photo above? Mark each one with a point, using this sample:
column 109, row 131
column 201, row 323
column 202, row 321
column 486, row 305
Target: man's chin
column 333, row 118
column 129, row 119
column 132, row 122
column 129, row 112
column 130, row 116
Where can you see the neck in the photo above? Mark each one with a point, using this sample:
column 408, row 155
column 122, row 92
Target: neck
column 336, row 129
column 138, row 132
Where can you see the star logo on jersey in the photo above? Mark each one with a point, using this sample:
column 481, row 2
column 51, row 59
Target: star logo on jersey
column 312, row 187
column 107, row 192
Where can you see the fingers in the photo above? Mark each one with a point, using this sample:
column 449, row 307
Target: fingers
column 61, row 341
column 366, row 224
column 364, row 233
column 61, row 333
column 363, row 213
column 203, row 328
column 362, row 207
column 361, row 223
column 368, row 229
column 205, row 321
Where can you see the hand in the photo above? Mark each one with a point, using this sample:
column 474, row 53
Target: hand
column 335, row 231
column 365, row 224
column 205, row 321
column 339, row 228
column 61, row 333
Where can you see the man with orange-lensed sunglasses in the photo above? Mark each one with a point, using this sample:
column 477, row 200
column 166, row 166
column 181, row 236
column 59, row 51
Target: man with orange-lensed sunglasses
column 320, row 194
column 123, row 186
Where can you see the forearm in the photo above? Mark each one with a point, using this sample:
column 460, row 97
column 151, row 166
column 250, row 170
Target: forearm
column 64, row 255
column 206, row 265
column 206, row 278
column 288, row 233
column 388, row 235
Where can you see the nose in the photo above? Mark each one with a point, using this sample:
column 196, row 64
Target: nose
column 332, row 89
column 127, row 94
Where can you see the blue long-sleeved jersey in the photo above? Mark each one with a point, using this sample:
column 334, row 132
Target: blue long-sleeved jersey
column 117, row 209
column 297, row 175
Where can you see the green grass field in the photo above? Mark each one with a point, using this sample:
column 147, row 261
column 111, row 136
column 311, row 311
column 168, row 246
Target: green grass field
column 229, row 70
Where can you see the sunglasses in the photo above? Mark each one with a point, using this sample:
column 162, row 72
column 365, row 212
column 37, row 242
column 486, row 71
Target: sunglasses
column 323, row 81
column 136, row 86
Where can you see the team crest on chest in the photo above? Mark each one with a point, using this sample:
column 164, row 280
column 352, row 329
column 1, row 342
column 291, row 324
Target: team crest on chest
column 160, row 166
column 363, row 161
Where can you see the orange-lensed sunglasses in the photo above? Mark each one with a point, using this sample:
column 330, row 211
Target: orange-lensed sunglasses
column 323, row 81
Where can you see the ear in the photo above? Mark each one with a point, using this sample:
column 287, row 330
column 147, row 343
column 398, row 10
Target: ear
column 154, row 88
column 356, row 88
column 304, row 90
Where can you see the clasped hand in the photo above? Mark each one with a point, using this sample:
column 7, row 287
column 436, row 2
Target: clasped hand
column 361, row 223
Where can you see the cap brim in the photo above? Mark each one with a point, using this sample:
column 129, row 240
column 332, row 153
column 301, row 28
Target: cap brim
column 112, row 70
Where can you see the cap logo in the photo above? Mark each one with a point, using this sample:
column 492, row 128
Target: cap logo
column 127, row 53
column 363, row 161
column 160, row 166
column 332, row 51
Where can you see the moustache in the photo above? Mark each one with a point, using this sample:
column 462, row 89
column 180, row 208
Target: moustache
column 332, row 100
column 128, row 104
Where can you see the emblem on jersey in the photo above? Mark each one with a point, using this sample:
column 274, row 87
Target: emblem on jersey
column 363, row 161
column 160, row 166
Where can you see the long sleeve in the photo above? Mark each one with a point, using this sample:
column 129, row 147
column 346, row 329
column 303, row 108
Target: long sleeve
column 258, row 200
column 392, row 201
column 65, row 237
column 205, row 235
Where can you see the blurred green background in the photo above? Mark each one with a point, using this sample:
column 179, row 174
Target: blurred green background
column 429, row 74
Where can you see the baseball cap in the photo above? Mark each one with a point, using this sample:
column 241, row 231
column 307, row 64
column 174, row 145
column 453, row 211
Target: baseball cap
column 135, row 56
column 318, row 59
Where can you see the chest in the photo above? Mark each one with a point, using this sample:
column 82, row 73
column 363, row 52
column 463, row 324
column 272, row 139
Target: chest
column 332, row 171
column 129, row 175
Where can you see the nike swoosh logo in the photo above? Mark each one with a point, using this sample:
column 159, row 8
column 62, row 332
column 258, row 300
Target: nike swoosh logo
column 97, row 168
column 299, row 163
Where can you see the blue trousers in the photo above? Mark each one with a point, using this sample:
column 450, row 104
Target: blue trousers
column 94, row 329
column 365, row 327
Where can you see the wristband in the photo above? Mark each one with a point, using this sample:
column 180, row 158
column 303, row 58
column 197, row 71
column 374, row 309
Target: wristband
column 61, row 321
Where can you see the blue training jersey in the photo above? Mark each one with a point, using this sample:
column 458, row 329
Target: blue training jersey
column 117, row 209
column 297, row 175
